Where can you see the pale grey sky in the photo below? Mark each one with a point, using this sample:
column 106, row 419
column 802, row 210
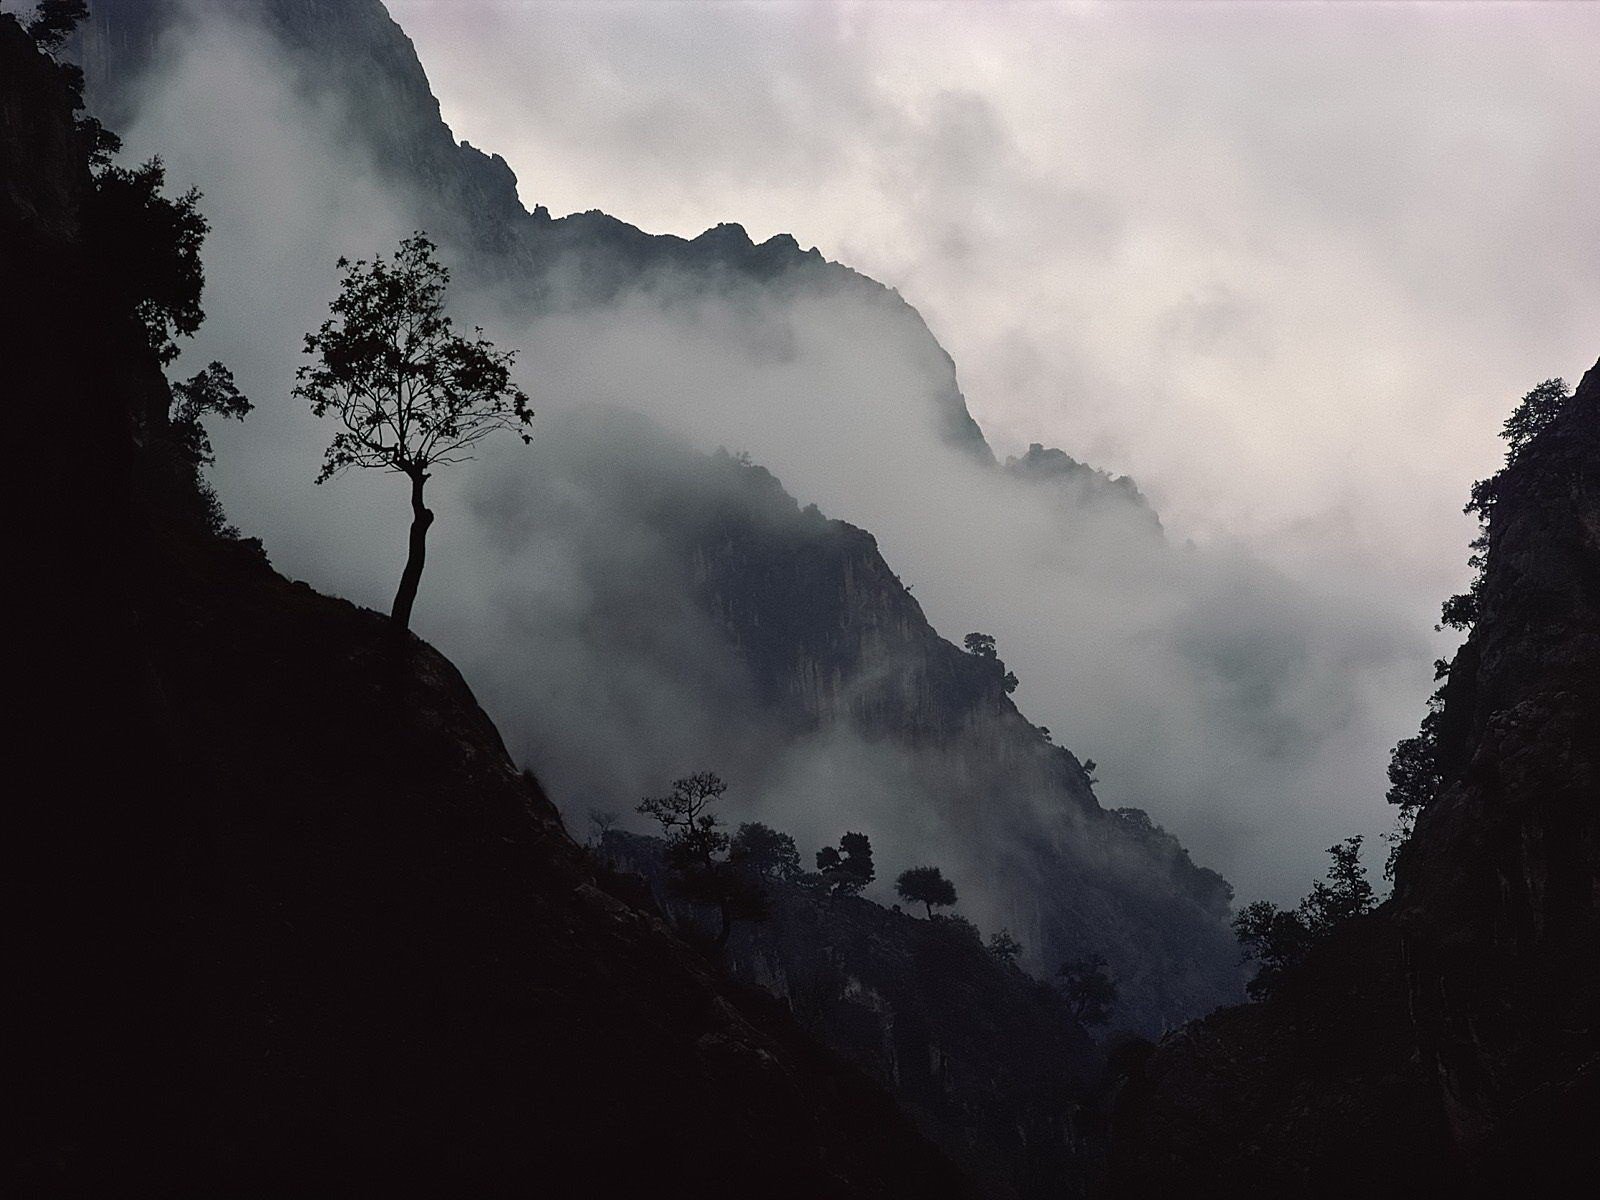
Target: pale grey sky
column 1287, row 264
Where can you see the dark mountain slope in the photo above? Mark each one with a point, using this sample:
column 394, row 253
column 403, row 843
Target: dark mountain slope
column 988, row 1059
column 796, row 630
column 1448, row 1040
column 289, row 919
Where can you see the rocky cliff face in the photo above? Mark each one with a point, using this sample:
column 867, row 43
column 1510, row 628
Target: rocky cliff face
column 1449, row 1039
column 290, row 921
column 985, row 1057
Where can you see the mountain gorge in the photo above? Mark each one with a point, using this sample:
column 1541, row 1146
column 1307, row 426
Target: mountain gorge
column 296, row 923
column 297, row 906
column 704, row 620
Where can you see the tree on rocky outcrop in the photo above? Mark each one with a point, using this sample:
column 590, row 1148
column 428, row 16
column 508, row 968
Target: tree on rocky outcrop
column 697, row 852
column 411, row 393
column 1088, row 989
column 847, row 869
column 926, row 886
column 53, row 22
column 1279, row 939
column 982, row 645
column 1344, row 896
column 1532, row 415
column 1005, row 947
column 765, row 851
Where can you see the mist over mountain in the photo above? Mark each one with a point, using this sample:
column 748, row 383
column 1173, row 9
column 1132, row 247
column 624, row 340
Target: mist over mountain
column 296, row 914
column 1225, row 699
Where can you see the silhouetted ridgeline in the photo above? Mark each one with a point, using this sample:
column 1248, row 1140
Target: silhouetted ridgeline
column 1445, row 1044
column 289, row 920
column 833, row 645
column 988, row 1059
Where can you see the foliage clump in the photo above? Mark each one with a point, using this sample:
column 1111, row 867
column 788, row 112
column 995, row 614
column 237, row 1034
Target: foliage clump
column 1279, row 939
column 926, row 886
column 846, row 869
column 697, row 852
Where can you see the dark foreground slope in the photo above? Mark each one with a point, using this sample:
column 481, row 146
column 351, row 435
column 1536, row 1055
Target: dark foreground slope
column 988, row 1059
column 1448, row 1040
column 288, row 919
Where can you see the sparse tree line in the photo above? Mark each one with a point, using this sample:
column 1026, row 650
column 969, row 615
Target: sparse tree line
column 729, row 873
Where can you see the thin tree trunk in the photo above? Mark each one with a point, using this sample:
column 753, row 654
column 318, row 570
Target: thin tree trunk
column 727, row 928
column 421, row 518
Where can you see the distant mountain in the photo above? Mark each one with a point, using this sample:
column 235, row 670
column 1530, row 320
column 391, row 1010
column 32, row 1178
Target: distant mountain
column 816, row 638
column 1447, row 1043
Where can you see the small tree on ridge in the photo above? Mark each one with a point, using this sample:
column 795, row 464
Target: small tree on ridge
column 410, row 391
column 926, row 886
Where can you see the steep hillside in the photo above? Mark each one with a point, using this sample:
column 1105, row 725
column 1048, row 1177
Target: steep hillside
column 289, row 920
column 987, row 1059
column 1449, row 1039
column 835, row 703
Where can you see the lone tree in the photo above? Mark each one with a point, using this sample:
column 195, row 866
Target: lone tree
column 1088, row 989
column 847, row 869
column 1005, row 946
column 926, row 886
column 411, row 392
column 697, row 849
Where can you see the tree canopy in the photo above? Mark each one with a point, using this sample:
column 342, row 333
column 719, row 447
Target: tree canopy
column 926, row 886
column 847, row 869
column 409, row 391
column 765, row 851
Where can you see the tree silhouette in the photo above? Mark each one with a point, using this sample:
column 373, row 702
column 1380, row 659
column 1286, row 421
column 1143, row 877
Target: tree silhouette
column 696, row 846
column 1089, row 991
column 765, row 851
column 1279, row 939
column 847, row 869
column 926, row 886
column 1005, row 947
column 411, row 393
column 980, row 644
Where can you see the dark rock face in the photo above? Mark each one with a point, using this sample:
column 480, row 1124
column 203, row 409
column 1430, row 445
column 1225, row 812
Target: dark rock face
column 985, row 1057
column 828, row 645
column 1449, row 1039
column 290, row 921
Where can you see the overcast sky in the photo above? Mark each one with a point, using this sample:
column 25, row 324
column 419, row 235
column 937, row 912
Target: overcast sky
column 1288, row 265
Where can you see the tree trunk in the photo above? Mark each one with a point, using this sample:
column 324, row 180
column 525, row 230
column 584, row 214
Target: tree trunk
column 421, row 518
column 727, row 928
column 929, row 907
